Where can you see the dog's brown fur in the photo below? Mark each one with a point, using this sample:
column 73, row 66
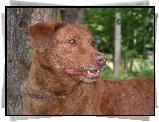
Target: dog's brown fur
column 64, row 53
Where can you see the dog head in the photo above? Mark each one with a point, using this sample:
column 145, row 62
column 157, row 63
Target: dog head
column 67, row 49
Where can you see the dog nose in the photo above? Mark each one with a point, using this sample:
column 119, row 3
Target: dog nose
column 101, row 59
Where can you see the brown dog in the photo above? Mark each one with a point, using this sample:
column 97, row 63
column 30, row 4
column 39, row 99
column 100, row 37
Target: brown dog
column 63, row 77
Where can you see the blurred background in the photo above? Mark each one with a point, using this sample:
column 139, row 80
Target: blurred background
column 130, row 28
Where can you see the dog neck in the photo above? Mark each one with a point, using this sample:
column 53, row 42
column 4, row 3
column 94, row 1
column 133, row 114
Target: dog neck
column 48, row 81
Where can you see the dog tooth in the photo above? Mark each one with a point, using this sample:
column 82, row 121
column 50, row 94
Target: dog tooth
column 88, row 72
column 97, row 71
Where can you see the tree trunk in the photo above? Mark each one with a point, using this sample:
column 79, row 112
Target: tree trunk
column 18, row 64
column 117, row 44
column 73, row 15
column 144, row 45
column 17, row 61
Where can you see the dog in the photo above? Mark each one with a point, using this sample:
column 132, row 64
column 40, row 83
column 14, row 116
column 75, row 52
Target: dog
column 63, row 78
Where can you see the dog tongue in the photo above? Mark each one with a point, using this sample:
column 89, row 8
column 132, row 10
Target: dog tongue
column 73, row 72
column 88, row 74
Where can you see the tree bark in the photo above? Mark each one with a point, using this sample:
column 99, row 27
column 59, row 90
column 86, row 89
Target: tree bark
column 117, row 44
column 18, row 20
column 73, row 15
column 18, row 63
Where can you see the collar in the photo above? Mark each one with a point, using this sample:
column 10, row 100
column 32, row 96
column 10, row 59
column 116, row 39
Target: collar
column 45, row 97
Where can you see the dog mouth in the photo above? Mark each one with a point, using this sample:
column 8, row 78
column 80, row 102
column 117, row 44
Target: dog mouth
column 84, row 75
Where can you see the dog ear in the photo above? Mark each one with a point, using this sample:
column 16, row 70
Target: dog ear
column 41, row 33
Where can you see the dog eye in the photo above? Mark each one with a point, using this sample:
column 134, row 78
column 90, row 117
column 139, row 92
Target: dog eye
column 72, row 41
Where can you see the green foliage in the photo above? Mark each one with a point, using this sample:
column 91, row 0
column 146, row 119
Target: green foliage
column 108, row 74
column 30, row 52
column 147, row 69
column 101, row 23
column 59, row 16
column 137, row 35
column 133, row 20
